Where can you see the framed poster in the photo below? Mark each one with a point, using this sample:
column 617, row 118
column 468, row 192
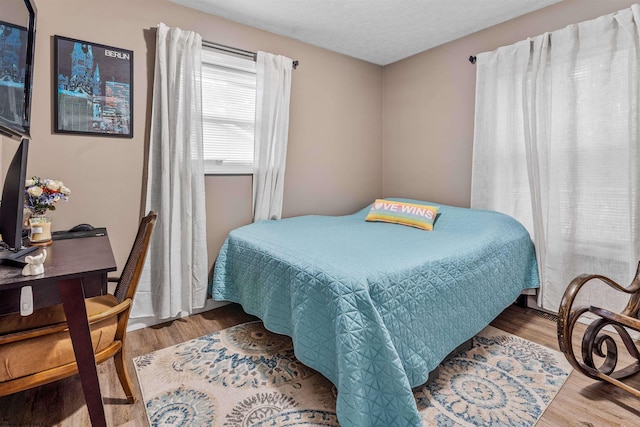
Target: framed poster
column 93, row 88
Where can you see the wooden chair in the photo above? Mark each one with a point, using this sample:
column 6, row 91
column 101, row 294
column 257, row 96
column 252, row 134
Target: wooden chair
column 37, row 349
column 596, row 339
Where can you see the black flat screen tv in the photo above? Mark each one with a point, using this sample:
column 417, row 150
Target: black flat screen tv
column 12, row 207
column 17, row 39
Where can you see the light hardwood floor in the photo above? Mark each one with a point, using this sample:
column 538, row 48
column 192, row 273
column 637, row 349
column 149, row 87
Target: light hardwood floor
column 580, row 402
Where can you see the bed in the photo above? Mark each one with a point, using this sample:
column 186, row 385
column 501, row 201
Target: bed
column 376, row 306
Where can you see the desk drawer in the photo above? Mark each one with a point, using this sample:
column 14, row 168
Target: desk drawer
column 46, row 293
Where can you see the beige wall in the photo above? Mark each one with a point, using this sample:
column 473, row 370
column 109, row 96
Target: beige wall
column 337, row 161
column 428, row 104
column 14, row 12
column 334, row 162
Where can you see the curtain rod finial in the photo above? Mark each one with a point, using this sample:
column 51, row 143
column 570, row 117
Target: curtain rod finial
column 472, row 59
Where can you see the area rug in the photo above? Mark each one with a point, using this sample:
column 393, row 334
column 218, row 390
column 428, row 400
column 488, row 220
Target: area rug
column 247, row 376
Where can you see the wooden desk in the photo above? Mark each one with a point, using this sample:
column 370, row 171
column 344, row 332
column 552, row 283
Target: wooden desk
column 74, row 269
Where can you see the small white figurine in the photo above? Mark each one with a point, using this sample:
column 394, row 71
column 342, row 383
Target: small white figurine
column 35, row 264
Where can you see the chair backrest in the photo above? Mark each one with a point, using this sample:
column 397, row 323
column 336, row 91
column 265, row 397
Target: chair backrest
column 128, row 282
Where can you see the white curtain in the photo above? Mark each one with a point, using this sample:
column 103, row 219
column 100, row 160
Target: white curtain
column 556, row 146
column 271, row 134
column 174, row 279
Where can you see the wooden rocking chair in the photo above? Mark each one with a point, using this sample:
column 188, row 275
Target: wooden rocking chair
column 595, row 340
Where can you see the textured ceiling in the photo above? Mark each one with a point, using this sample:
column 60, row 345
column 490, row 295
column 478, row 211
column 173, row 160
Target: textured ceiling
column 377, row 31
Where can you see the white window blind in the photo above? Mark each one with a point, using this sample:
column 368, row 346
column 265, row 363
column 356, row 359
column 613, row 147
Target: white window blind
column 228, row 112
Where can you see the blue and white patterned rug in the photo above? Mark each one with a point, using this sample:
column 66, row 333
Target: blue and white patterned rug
column 247, row 376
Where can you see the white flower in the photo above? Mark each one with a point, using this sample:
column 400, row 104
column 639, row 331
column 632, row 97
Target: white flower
column 54, row 185
column 42, row 194
column 35, row 191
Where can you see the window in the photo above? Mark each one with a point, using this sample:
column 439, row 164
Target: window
column 556, row 146
column 228, row 112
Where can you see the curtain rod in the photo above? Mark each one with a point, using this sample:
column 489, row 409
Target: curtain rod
column 237, row 51
column 472, row 59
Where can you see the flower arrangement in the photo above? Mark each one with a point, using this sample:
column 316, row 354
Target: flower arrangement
column 41, row 195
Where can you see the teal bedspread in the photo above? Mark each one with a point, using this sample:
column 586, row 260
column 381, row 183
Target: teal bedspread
column 374, row 306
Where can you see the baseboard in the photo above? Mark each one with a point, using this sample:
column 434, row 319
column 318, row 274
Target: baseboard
column 145, row 322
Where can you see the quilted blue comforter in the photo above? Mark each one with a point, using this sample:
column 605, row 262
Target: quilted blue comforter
column 375, row 306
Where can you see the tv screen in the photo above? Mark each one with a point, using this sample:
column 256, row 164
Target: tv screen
column 17, row 35
column 12, row 206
